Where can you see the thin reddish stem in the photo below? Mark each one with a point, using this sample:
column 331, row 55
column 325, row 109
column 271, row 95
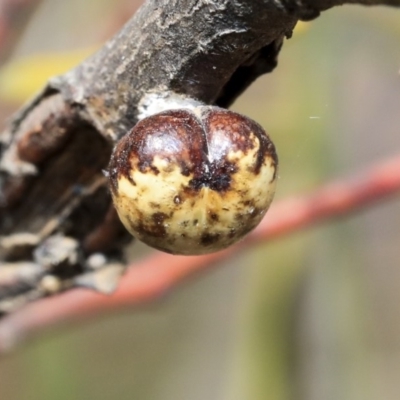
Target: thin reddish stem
column 153, row 277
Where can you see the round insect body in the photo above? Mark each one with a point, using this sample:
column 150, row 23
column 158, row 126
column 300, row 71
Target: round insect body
column 193, row 181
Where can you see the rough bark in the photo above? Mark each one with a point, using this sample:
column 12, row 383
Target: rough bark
column 55, row 210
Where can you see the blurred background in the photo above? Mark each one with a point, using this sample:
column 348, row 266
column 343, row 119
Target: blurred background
column 313, row 316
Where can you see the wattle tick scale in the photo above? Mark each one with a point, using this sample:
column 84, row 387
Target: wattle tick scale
column 193, row 181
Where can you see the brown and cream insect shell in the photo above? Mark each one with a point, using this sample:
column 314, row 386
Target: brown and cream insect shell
column 193, row 181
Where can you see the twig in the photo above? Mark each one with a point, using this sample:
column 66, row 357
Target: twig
column 152, row 278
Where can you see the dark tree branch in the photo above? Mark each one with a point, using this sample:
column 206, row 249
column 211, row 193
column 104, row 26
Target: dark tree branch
column 188, row 47
column 55, row 150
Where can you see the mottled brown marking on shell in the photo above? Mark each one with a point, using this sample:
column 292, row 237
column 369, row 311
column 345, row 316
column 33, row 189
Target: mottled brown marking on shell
column 232, row 126
column 238, row 130
column 232, row 233
column 177, row 199
column 174, row 136
column 144, row 228
column 159, row 218
column 214, row 217
column 217, row 176
column 208, row 239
